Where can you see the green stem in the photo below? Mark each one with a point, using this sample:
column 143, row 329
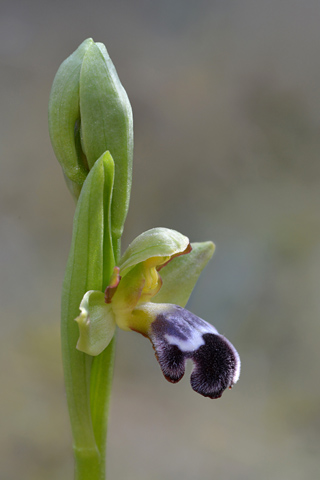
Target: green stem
column 100, row 392
column 91, row 464
column 101, row 382
column 87, row 465
column 87, row 379
column 77, row 368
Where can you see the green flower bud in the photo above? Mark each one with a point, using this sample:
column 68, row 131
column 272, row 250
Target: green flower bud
column 90, row 113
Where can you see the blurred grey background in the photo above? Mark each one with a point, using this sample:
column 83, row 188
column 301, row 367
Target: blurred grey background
column 226, row 101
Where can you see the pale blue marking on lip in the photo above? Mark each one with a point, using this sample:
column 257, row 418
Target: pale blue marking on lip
column 177, row 335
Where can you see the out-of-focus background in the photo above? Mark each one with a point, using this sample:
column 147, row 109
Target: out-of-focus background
column 226, row 101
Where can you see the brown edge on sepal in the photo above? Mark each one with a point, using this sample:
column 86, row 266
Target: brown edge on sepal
column 187, row 250
column 112, row 288
column 141, row 333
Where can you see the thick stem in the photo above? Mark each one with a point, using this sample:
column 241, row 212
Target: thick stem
column 88, row 465
column 77, row 368
column 100, row 392
column 101, row 380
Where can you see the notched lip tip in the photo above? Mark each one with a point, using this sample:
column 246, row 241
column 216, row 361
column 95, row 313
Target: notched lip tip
column 208, row 395
column 172, row 380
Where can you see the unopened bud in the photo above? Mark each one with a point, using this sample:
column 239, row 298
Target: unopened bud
column 90, row 113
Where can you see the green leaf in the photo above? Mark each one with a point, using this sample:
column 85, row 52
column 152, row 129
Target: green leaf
column 106, row 124
column 181, row 274
column 96, row 323
column 157, row 242
column 64, row 113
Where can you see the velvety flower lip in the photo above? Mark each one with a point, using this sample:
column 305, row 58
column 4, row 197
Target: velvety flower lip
column 178, row 335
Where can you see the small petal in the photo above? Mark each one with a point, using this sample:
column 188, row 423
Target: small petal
column 113, row 285
column 126, row 296
column 178, row 335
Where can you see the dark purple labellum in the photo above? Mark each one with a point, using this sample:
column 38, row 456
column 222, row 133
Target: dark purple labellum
column 177, row 335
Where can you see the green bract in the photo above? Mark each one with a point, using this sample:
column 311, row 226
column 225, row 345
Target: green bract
column 89, row 267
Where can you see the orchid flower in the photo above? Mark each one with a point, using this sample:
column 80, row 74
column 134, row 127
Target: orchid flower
column 141, row 299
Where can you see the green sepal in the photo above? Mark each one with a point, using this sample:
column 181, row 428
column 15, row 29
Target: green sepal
column 106, row 124
column 64, row 115
column 181, row 274
column 157, row 242
column 96, row 323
